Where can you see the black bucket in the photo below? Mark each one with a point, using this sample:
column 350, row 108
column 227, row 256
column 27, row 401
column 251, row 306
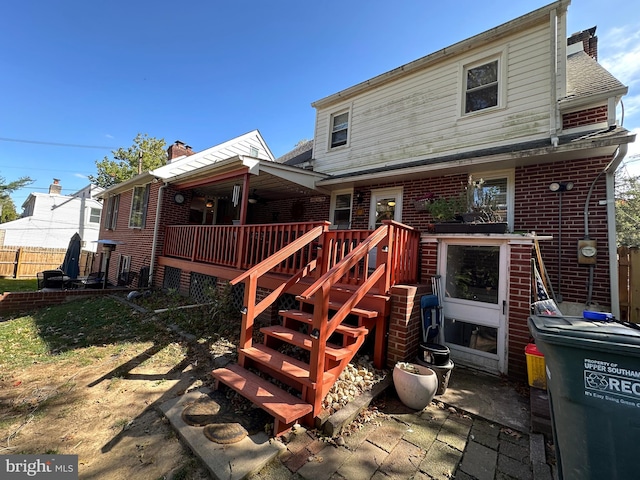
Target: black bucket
column 435, row 353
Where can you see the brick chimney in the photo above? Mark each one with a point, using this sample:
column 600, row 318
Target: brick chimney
column 178, row 149
column 589, row 41
column 55, row 188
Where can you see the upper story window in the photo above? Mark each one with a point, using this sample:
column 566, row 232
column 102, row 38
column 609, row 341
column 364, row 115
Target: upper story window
column 111, row 218
column 138, row 216
column 481, row 87
column 94, row 215
column 339, row 129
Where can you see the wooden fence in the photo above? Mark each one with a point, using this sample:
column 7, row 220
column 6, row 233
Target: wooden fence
column 26, row 262
column 629, row 279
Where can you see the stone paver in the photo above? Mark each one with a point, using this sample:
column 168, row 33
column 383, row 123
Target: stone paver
column 454, row 433
column 325, row 463
column 441, row 461
column 479, row 461
column 363, row 464
column 403, row 461
column 514, row 468
column 388, row 434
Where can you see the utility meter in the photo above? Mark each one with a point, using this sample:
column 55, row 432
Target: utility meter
column 587, row 252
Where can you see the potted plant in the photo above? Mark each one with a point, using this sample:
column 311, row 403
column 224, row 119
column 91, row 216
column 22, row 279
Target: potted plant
column 416, row 385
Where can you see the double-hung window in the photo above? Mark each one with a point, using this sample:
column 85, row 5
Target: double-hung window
column 339, row 129
column 481, row 86
column 94, row 215
column 340, row 209
column 138, row 216
column 111, row 218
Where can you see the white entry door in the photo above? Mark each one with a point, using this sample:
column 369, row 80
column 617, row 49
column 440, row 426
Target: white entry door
column 474, row 291
column 386, row 204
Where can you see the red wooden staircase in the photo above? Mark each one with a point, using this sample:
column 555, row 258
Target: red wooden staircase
column 290, row 373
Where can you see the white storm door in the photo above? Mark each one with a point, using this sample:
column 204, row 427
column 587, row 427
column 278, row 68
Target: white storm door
column 386, row 204
column 474, row 301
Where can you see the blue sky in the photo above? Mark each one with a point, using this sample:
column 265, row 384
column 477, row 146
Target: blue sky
column 96, row 74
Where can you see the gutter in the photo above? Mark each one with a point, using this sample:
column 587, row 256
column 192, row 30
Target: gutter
column 156, row 228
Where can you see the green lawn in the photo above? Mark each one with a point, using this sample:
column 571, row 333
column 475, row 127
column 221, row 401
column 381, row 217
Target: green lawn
column 13, row 285
column 81, row 328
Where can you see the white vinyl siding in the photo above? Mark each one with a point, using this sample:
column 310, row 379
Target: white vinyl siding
column 420, row 115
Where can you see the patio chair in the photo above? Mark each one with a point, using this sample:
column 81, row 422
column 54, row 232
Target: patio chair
column 52, row 279
column 94, row 280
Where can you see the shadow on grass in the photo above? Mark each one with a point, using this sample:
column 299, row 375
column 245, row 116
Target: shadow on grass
column 76, row 329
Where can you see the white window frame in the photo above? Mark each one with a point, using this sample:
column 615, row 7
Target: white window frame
column 332, row 208
column 111, row 218
column 141, row 209
column 92, row 215
column 499, row 55
column 511, row 190
column 332, row 117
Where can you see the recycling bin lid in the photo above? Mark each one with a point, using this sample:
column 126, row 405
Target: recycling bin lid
column 576, row 331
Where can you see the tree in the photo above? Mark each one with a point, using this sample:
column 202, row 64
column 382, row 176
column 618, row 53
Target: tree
column 124, row 164
column 7, row 207
column 628, row 210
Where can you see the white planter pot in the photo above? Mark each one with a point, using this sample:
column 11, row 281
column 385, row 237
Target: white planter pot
column 415, row 390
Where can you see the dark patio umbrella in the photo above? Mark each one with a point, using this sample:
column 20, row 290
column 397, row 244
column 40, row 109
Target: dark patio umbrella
column 71, row 264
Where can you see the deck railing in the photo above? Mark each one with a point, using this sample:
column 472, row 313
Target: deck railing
column 244, row 246
column 238, row 246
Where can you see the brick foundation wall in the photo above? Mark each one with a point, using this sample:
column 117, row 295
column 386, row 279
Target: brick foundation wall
column 589, row 116
column 21, row 302
column 405, row 331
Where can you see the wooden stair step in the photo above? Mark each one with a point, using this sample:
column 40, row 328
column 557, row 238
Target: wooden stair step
column 275, row 401
column 284, row 364
column 302, row 340
column 307, row 317
column 359, row 312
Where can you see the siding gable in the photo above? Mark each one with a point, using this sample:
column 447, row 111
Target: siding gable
column 419, row 115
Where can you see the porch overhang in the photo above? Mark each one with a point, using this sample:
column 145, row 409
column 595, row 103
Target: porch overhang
column 273, row 180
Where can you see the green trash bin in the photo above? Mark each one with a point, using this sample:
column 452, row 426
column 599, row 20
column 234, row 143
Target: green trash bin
column 593, row 381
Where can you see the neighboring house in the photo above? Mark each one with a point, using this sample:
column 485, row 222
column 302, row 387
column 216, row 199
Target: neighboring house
column 530, row 114
column 49, row 220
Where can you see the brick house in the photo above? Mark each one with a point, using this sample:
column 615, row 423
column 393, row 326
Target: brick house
column 518, row 112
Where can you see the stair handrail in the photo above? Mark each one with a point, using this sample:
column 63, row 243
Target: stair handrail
column 322, row 329
column 249, row 309
column 336, row 272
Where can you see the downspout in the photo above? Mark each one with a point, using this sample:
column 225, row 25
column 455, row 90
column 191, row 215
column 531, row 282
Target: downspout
column 612, row 233
column 156, row 228
column 553, row 61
